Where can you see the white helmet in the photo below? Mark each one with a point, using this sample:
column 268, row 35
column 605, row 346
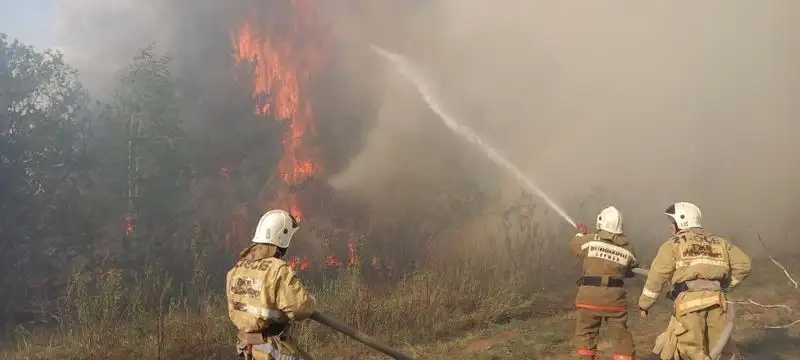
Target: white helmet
column 686, row 215
column 276, row 227
column 610, row 219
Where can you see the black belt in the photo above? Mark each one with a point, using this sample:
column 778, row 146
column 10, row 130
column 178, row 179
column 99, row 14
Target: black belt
column 680, row 287
column 677, row 289
column 598, row 281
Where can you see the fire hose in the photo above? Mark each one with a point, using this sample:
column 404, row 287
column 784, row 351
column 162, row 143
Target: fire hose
column 279, row 319
column 358, row 336
column 726, row 332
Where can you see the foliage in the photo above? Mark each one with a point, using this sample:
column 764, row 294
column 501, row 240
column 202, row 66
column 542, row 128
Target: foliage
column 44, row 131
column 144, row 156
column 136, row 183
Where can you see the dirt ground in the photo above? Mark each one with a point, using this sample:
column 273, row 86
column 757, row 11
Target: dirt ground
column 528, row 336
column 550, row 338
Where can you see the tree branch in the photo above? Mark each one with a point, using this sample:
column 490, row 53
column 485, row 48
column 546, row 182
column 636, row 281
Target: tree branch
column 771, row 306
column 793, row 323
column 753, row 302
column 788, row 309
column 785, row 272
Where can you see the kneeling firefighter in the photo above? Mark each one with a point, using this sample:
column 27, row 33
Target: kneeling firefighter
column 265, row 295
column 701, row 267
column 608, row 258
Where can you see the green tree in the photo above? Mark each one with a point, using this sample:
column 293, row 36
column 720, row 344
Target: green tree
column 44, row 129
column 142, row 159
column 180, row 161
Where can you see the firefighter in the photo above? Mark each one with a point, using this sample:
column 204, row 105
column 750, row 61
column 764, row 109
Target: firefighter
column 701, row 267
column 608, row 258
column 265, row 295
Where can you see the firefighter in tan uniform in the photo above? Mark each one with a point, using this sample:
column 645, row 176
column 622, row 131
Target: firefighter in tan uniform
column 701, row 267
column 608, row 257
column 265, row 295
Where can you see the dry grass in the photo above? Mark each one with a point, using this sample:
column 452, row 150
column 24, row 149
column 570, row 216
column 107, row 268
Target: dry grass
column 484, row 307
column 150, row 321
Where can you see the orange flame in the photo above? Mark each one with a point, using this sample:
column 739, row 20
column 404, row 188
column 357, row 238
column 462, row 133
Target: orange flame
column 283, row 66
column 298, row 263
column 284, row 62
column 129, row 231
column 332, row 261
column 351, row 247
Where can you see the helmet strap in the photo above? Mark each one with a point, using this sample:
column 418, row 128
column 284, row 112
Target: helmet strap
column 673, row 224
column 247, row 250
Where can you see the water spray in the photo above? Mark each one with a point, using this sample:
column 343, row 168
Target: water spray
column 404, row 67
column 465, row 132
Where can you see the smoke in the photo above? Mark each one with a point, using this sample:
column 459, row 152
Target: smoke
column 654, row 102
column 100, row 37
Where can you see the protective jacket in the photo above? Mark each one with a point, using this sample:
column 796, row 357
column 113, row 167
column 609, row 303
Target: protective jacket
column 260, row 282
column 695, row 254
column 607, row 260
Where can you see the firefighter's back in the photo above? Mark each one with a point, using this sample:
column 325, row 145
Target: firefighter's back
column 251, row 291
column 607, row 259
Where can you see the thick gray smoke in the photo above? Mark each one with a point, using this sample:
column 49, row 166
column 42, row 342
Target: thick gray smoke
column 100, row 37
column 654, row 102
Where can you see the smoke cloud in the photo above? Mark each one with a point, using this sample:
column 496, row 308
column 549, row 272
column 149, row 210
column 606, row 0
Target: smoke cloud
column 100, row 37
column 653, row 102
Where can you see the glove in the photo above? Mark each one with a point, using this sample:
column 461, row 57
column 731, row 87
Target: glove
column 277, row 321
column 273, row 330
column 581, row 228
column 644, row 313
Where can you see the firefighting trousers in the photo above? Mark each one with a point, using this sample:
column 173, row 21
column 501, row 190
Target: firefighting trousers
column 270, row 350
column 267, row 352
column 704, row 328
column 587, row 329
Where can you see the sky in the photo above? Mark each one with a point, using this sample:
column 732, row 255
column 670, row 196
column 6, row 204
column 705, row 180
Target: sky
column 30, row 21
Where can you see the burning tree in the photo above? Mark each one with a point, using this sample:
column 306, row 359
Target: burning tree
column 286, row 56
column 290, row 52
